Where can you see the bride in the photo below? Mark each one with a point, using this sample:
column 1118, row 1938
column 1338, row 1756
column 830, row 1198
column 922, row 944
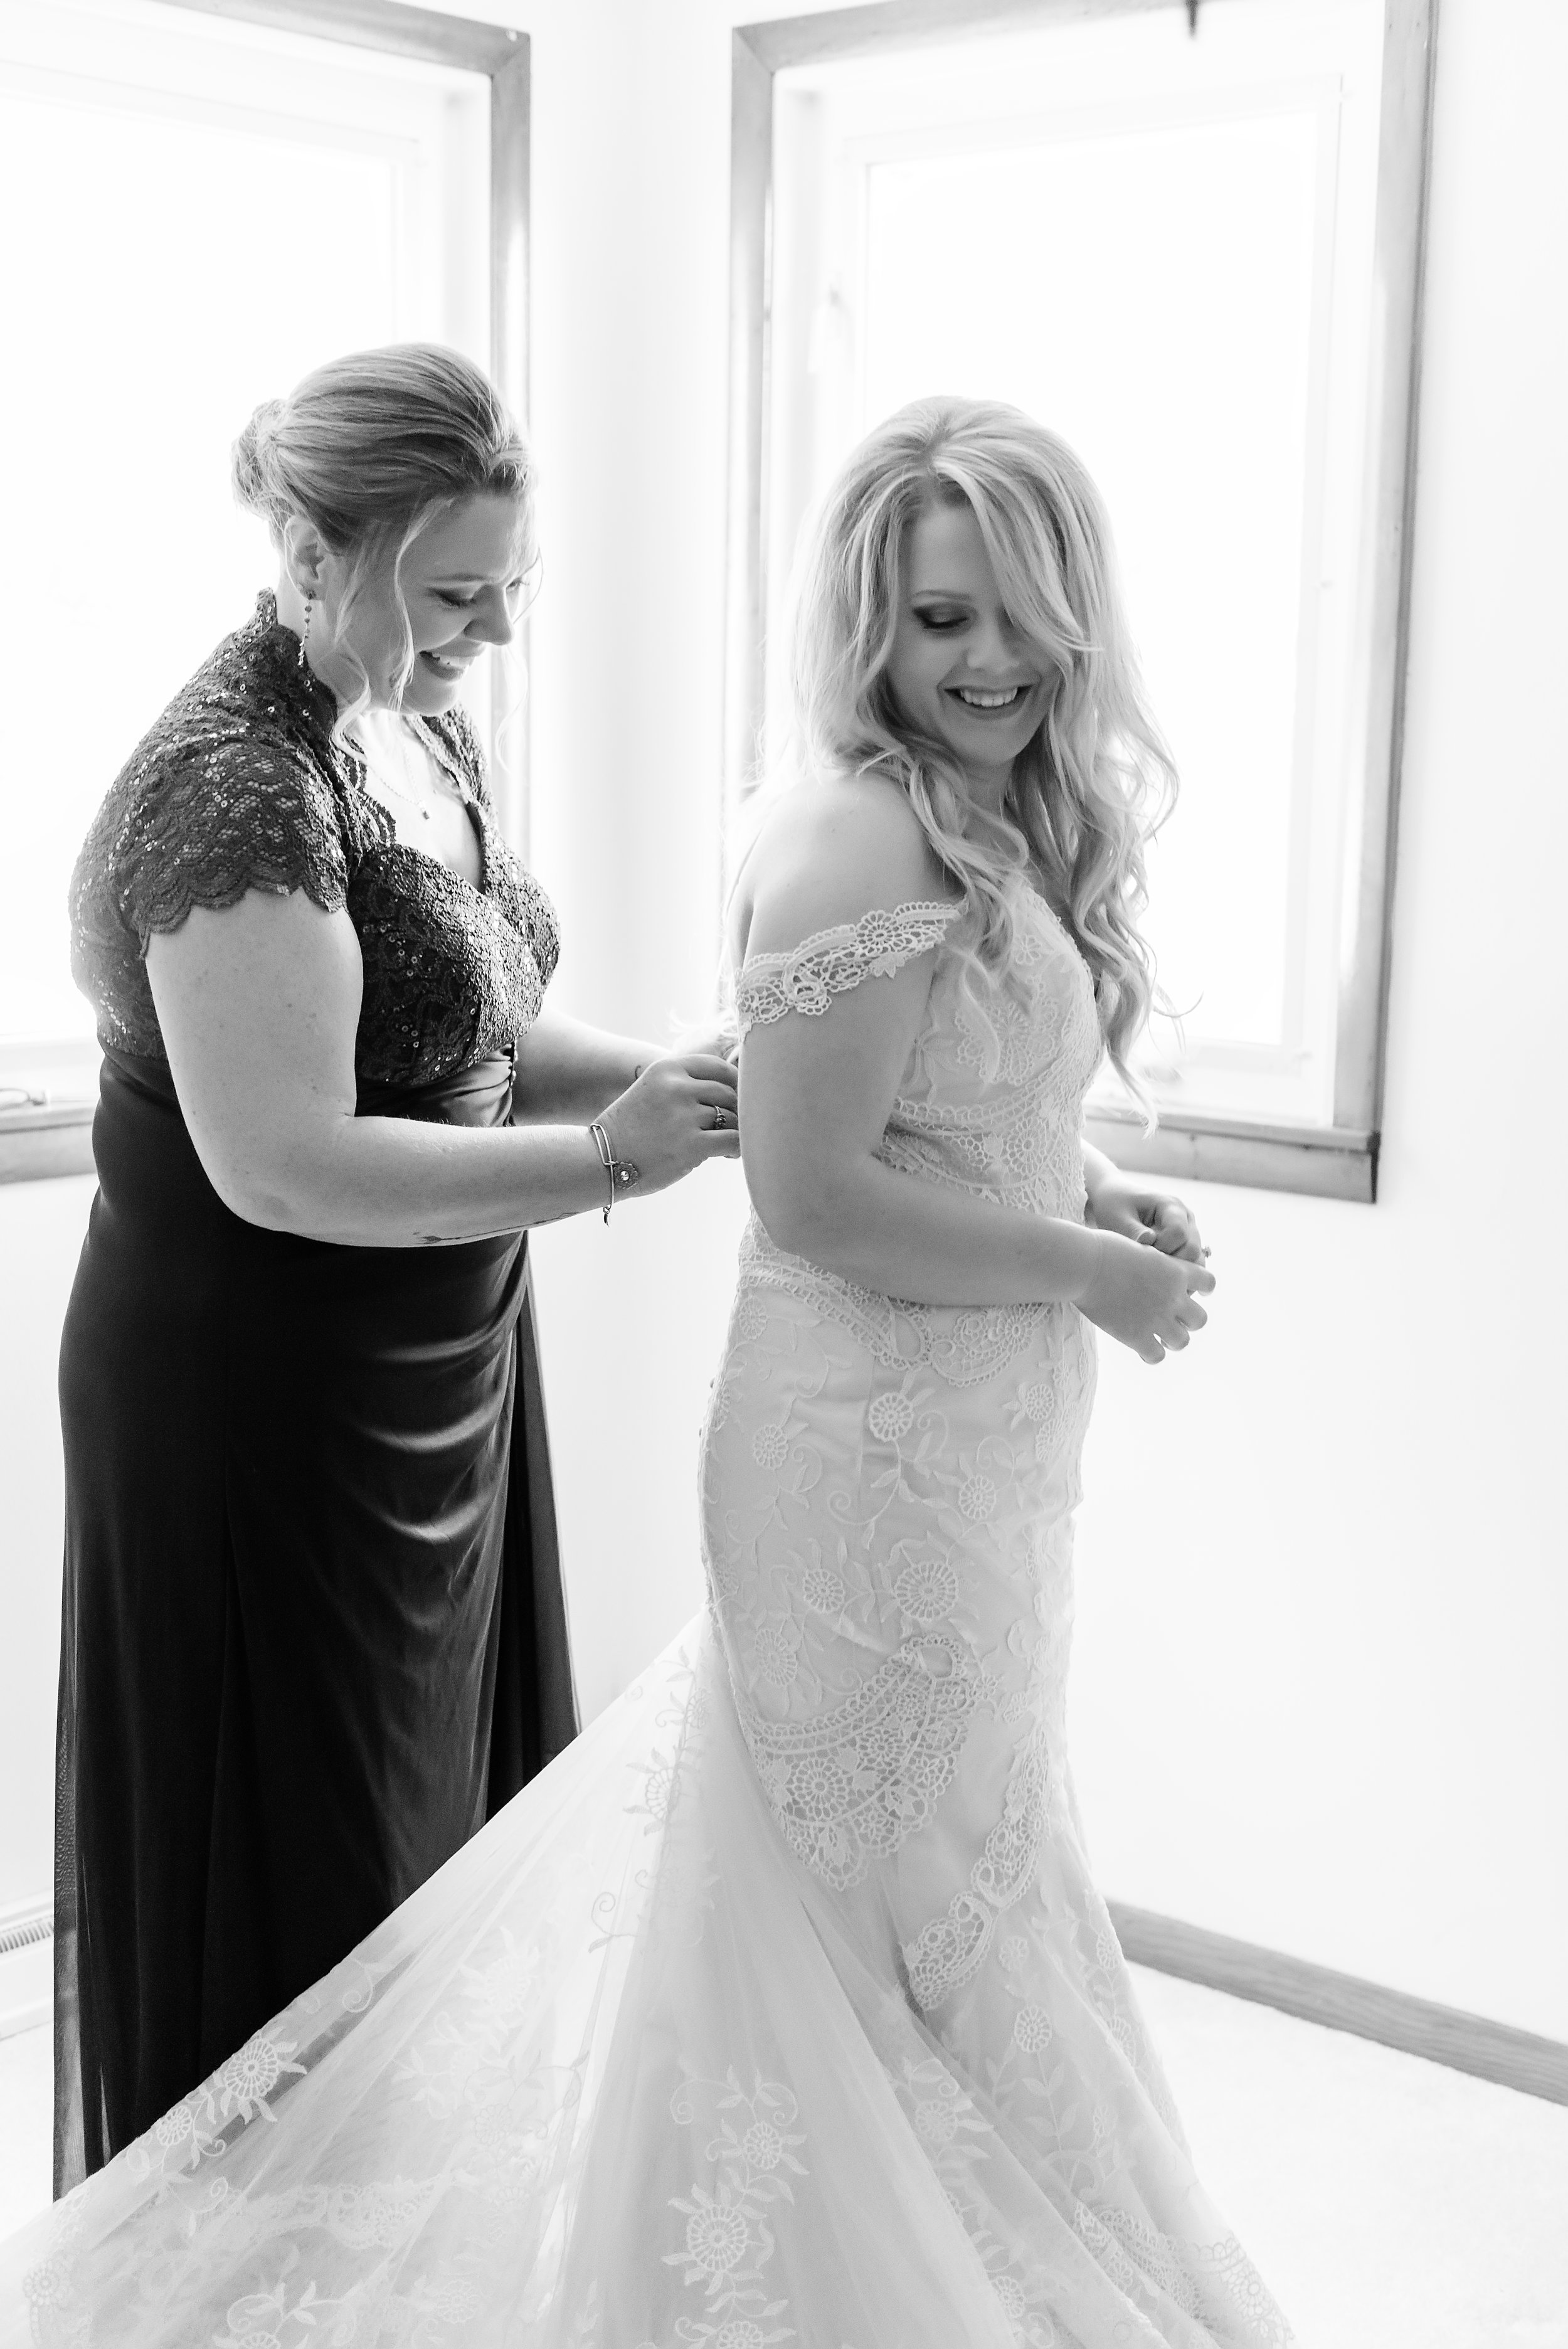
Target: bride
column 782, row 2007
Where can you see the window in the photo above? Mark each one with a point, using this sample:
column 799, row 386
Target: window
column 1196, row 258
column 176, row 170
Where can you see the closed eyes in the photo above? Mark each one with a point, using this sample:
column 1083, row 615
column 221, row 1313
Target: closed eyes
column 947, row 620
column 457, row 603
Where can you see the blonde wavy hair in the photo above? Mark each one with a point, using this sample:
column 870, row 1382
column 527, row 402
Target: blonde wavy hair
column 1096, row 780
column 372, row 448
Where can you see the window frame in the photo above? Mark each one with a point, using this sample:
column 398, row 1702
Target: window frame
column 40, row 1142
column 1337, row 1159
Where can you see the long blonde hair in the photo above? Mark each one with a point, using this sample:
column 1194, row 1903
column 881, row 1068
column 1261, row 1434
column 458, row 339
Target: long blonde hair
column 371, row 449
column 1096, row 780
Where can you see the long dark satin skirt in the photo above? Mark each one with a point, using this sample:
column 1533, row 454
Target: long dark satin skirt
column 314, row 1632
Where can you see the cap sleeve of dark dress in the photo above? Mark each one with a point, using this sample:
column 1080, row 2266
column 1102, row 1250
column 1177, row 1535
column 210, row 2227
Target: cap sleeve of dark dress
column 314, row 1630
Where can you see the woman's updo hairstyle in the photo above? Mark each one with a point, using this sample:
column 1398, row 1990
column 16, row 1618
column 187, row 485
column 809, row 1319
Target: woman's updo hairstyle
column 371, row 448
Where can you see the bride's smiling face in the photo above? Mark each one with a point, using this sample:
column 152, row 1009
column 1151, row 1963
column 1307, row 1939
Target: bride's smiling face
column 462, row 584
column 960, row 671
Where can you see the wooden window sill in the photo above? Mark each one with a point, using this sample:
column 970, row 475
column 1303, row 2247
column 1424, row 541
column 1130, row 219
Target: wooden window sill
column 46, row 1140
column 1330, row 1162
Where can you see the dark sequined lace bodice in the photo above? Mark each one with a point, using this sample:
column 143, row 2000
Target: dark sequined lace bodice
column 240, row 785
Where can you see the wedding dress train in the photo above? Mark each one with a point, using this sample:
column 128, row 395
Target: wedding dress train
column 782, row 2008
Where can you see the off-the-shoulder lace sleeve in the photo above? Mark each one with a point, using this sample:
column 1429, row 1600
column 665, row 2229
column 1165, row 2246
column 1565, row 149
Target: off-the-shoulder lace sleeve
column 830, row 962
column 237, row 816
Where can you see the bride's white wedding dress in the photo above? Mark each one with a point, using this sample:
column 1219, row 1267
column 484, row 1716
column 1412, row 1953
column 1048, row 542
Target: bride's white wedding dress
column 782, row 2007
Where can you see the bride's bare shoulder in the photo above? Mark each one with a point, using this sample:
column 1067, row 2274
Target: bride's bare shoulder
column 827, row 853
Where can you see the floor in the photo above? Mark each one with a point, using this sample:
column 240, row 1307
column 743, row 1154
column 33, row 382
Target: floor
column 1389, row 2203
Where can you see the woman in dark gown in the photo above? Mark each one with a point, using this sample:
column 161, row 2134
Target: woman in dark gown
column 314, row 1631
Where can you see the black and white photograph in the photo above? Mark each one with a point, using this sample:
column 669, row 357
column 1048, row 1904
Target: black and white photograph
column 781, row 1401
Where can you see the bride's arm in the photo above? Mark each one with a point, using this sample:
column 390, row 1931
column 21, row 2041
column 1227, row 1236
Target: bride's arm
column 816, row 1093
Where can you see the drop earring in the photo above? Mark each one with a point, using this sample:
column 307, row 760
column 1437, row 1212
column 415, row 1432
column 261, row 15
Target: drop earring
column 305, row 630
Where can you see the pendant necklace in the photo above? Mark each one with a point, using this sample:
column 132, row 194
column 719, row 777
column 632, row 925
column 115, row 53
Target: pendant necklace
column 398, row 790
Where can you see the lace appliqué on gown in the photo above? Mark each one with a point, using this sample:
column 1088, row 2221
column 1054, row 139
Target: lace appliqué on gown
column 830, row 962
column 859, row 1778
column 949, row 1950
column 781, row 2012
column 889, row 1489
column 750, row 2149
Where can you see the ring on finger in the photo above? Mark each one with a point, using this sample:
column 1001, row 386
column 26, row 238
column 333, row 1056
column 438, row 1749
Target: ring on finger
column 720, row 1119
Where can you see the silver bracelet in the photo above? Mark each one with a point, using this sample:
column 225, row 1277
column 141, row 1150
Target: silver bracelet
column 621, row 1171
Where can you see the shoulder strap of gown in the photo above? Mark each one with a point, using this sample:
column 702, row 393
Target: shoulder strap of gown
column 829, row 962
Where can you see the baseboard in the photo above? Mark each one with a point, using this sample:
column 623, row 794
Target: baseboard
column 1443, row 2034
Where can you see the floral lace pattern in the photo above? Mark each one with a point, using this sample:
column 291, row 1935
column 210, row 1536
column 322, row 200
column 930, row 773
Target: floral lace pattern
column 867, row 1774
column 750, row 2148
column 889, row 1482
column 618, row 2077
column 240, row 785
column 963, row 1346
column 888, row 1499
column 829, row 962
column 951, row 1949
column 783, row 2008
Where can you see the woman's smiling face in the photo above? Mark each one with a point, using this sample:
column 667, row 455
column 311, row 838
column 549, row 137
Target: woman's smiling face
column 960, row 671
column 462, row 584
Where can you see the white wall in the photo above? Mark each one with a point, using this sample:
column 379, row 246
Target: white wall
column 42, row 1225
column 1319, row 1698
column 1317, row 1695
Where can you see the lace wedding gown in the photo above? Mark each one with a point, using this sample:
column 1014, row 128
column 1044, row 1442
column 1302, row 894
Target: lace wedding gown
column 782, row 2007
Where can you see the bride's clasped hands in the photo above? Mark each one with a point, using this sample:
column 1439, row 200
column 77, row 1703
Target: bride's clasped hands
column 1153, row 1268
column 1147, row 1300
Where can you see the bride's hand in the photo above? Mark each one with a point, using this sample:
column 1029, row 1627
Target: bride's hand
column 1139, row 1211
column 683, row 1109
column 1146, row 1299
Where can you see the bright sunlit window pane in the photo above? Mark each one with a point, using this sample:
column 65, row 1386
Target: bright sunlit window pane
column 198, row 238
column 1160, row 248
column 1204, row 478
column 133, row 560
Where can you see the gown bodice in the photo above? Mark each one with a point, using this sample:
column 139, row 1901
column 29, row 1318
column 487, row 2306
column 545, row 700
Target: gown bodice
column 991, row 1099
